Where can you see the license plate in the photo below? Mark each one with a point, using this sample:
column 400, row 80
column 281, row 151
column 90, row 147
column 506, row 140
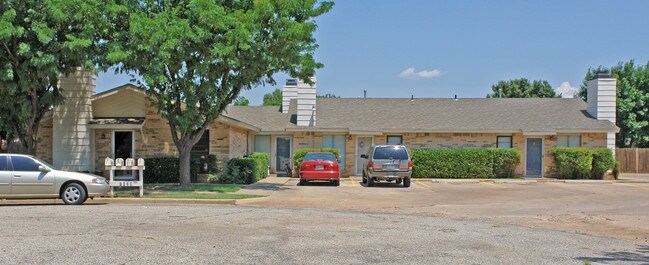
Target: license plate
column 389, row 167
column 319, row 167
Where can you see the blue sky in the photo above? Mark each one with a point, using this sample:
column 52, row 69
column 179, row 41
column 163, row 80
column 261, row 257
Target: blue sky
column 443, row 48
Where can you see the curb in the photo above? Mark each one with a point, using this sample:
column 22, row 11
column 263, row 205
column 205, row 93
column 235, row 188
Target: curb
column 163, row 201
column 528, row 181
column 123, row 201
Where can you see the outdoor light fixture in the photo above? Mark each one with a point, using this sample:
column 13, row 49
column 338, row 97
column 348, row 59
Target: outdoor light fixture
column 313, row 108
column 103, row 135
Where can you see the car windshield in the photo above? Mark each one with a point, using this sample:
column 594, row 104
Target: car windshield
column 391, row 152
column 44, row 163
column 319, row 157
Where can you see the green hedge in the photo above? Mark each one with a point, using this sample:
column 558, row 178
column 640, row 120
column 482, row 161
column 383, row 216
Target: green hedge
column 582, row 163
column 245, row 170
column 263, row 161
column 465, row 163
column 167, row 170
column 602, row 161
column 300, row 153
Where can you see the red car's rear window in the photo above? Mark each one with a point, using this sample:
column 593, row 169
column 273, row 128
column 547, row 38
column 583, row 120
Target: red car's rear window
column 319, row 157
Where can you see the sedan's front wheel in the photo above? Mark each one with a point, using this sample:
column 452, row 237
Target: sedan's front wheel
column 73, row 194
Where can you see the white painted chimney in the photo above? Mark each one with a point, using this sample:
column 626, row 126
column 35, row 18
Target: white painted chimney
column 306, row 103
column 71, row 135
column 289, row 91
column 601, row 104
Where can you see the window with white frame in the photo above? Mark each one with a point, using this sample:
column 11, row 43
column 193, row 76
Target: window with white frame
column 568, row 140
column 504, row 142
column 395, row 139
column 337, row 142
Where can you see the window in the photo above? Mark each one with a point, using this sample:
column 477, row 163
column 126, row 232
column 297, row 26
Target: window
column 3, row 163
column 262, row 144
column 399, row 153
column 319, row 157
column 504, row 142
column 338, row 142
column 568, row 141
column 21, row 163
column 395, row 139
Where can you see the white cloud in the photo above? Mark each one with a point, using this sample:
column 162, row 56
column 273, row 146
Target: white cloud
column 411, row 73
column 566, row 90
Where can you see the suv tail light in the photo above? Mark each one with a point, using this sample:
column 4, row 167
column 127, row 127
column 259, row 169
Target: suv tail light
column 407, row 168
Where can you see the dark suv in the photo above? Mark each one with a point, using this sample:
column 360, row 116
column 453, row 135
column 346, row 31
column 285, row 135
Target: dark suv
column 387, row 163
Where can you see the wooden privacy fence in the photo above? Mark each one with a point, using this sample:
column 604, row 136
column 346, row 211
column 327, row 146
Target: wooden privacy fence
column 633, row 160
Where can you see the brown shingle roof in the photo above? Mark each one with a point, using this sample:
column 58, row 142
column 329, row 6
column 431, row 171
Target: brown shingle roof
column 433, row 115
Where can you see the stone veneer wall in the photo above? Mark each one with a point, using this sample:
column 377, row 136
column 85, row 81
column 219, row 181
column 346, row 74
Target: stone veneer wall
column 44, row 138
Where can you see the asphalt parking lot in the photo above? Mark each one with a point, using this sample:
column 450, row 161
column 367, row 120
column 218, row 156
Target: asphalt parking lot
column 619, row 210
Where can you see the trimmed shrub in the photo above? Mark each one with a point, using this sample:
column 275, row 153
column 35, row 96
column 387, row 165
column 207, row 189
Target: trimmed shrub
column 616, row 169
column 167, row 169
column 263, row 160
column 465, row 163
column 602, row 161
column 573, row 162
column 245, row 170
column 300, row 153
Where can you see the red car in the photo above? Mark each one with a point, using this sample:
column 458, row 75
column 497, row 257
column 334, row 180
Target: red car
column 320, row 166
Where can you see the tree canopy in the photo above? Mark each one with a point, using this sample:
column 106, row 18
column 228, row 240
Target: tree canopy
column 194, row 57
column 273, row 98
column 241, row 101
column 632, row 101
column 522, row 88
column 40, row 40
column 328, row 95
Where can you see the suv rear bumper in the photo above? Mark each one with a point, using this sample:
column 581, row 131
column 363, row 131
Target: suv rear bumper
column 389, row 175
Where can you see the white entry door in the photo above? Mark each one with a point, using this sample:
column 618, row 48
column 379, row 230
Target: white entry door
column 363, row 143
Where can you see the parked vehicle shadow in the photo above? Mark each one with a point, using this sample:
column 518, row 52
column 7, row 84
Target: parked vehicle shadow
column 383, row 185
column 317, row 184
column 641, row 256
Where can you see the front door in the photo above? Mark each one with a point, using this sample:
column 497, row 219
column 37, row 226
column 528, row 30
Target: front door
column 283, row 155
column 5, row 176
column 534, row 157
column 363, row 143
column 27, row 179
column 123, row 148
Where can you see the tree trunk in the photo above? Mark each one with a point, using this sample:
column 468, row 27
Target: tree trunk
column 184, row 150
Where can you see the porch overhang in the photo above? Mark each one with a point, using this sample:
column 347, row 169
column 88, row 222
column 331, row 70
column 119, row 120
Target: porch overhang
column 117, row 123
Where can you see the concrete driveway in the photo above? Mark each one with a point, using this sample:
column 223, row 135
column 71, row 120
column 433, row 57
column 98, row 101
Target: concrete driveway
column 619, row 210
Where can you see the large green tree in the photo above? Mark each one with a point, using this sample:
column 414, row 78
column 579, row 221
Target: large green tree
column 40, row 40
column 194, row 57
column 632, row 101
column 241, row 101
column 522, row 88
column 273, row 98
column 328, row 95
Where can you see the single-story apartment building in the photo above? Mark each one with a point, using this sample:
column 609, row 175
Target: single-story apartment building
column 121, row 122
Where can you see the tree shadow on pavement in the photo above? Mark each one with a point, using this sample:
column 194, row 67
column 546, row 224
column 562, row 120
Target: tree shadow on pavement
column 640, row 256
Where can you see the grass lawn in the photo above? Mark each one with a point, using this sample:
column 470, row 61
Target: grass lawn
column 189, row 195
column 222, row 188
column 196, row 191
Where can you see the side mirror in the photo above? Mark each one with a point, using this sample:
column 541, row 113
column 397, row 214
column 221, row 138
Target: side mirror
column 364, row 156
column 43, row 169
